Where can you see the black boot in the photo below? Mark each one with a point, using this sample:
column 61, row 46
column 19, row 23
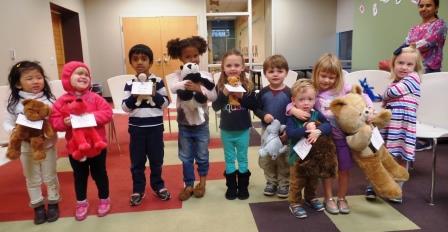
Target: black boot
column 53, row 212
column 39, row 215
column 243, row 183
column 231, row 192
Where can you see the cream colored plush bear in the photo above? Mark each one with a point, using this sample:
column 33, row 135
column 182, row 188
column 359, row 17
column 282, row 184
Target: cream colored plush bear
column 381, row 169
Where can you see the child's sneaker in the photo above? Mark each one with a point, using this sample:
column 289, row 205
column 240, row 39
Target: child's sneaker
column 283, row 191
column 370, row 193
column 136, row 199
column 397, row 200
column 163, row 194
column 270, row 189
column 315, row 204
column 298, row 211
column 104, row 207
column 82, row 208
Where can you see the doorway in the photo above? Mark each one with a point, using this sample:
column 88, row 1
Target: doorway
column 155, row 32
column 66, row 34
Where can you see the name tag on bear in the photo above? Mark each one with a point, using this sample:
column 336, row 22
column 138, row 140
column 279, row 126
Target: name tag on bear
column 376, row 140
column 141, row 88
column 22, row 120
column 83, row 121
column 302, row 148
column 235, row 89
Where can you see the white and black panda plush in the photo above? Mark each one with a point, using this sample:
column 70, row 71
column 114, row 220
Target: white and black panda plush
column 190, row 71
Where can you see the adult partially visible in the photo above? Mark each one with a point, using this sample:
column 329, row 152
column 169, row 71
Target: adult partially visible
column 429, row 36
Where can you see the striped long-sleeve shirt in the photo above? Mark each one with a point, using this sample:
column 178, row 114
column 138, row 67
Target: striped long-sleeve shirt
column 145, row 115
column 402, row 98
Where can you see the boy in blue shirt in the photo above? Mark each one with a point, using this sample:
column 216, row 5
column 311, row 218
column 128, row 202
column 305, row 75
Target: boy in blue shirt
column 271, row 104
column 145, row 128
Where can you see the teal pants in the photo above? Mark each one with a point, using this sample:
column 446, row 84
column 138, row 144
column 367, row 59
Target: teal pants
column 235, row 145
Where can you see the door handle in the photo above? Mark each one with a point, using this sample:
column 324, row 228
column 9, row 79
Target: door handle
column 159, row 61
column 165, row 58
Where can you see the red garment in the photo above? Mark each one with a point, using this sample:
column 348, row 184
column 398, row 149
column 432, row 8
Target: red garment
column 96, row 105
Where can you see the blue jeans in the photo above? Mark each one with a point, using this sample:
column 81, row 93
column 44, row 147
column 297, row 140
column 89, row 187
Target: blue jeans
column 235, row 145
column 193, row 145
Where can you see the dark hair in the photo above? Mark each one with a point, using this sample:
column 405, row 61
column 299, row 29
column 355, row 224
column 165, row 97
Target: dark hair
column 275, row 61
column 14, row 79
column 436, row 4
column 141, row 49
column 175, row 46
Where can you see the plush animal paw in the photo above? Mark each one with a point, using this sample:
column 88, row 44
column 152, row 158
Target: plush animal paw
column 12, row 154
column 100, row 145
column 84, row 147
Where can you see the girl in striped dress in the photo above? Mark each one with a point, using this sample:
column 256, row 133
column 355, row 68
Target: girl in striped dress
column 401, row 97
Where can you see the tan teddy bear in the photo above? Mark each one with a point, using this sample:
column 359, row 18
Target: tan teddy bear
column 233, row 81
column 381, row 169
column 34, row 110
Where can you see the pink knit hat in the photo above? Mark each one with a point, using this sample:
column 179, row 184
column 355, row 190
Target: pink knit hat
column 67, row 72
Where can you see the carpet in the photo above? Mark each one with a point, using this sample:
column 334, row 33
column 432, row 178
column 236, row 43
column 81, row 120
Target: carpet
column 415, row 207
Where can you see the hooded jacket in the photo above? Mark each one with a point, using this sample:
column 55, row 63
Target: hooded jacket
column 96, row 104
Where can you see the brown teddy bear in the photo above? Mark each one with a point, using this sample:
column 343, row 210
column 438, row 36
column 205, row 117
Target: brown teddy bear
column 381, row 169
column 34, row 110
column 233, row 81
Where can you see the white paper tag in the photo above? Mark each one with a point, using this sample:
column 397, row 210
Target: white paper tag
column 142, row 88
column 376, row 140
column 235, row 89
column 302, row 148
column 22, row 120
column 83, row 121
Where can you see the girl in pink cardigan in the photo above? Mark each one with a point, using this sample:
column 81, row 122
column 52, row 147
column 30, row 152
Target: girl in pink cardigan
column 76, row 81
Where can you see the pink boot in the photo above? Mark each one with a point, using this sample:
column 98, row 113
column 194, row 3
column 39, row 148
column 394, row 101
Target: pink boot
column 82, row 208
column 103, row 207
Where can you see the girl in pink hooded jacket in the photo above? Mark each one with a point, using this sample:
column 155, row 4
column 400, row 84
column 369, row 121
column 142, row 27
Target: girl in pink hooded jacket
column 76, row 81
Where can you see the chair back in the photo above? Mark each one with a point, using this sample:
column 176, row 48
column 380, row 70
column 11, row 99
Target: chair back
column 56, row 88
column 434, row 90
column 291, row 78
column 378, row 79
column 4, row 95
column 116, row 88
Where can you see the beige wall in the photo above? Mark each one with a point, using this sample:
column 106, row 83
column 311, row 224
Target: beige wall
column 258, row 30
column 345, row 16
column 26, row 27
column 303, row 30
column 103, row 25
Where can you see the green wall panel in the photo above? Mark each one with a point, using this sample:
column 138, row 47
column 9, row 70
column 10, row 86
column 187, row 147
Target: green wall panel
column 376, row 37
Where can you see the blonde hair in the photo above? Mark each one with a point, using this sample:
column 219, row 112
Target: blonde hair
column 418, row 61
column 245, row 82
column 328, row 63
column 275, row 61
column 300, row 85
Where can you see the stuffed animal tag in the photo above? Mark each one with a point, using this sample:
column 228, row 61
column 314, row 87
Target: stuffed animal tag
column 83, row 121
column 235, row 89
column 22, row 120
column 376, row 140
column 142, row 88
column 302, row 148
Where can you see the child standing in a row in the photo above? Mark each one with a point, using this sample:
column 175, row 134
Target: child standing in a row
column 145, row 128
column 305, row 174
column 235, row 124
column 194, row 136
column 27, row 80
column 76, row 81
column 271, row 104
column 328, row 81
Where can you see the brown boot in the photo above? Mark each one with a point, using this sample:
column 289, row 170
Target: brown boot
column 186, row 193
column 199, row 189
